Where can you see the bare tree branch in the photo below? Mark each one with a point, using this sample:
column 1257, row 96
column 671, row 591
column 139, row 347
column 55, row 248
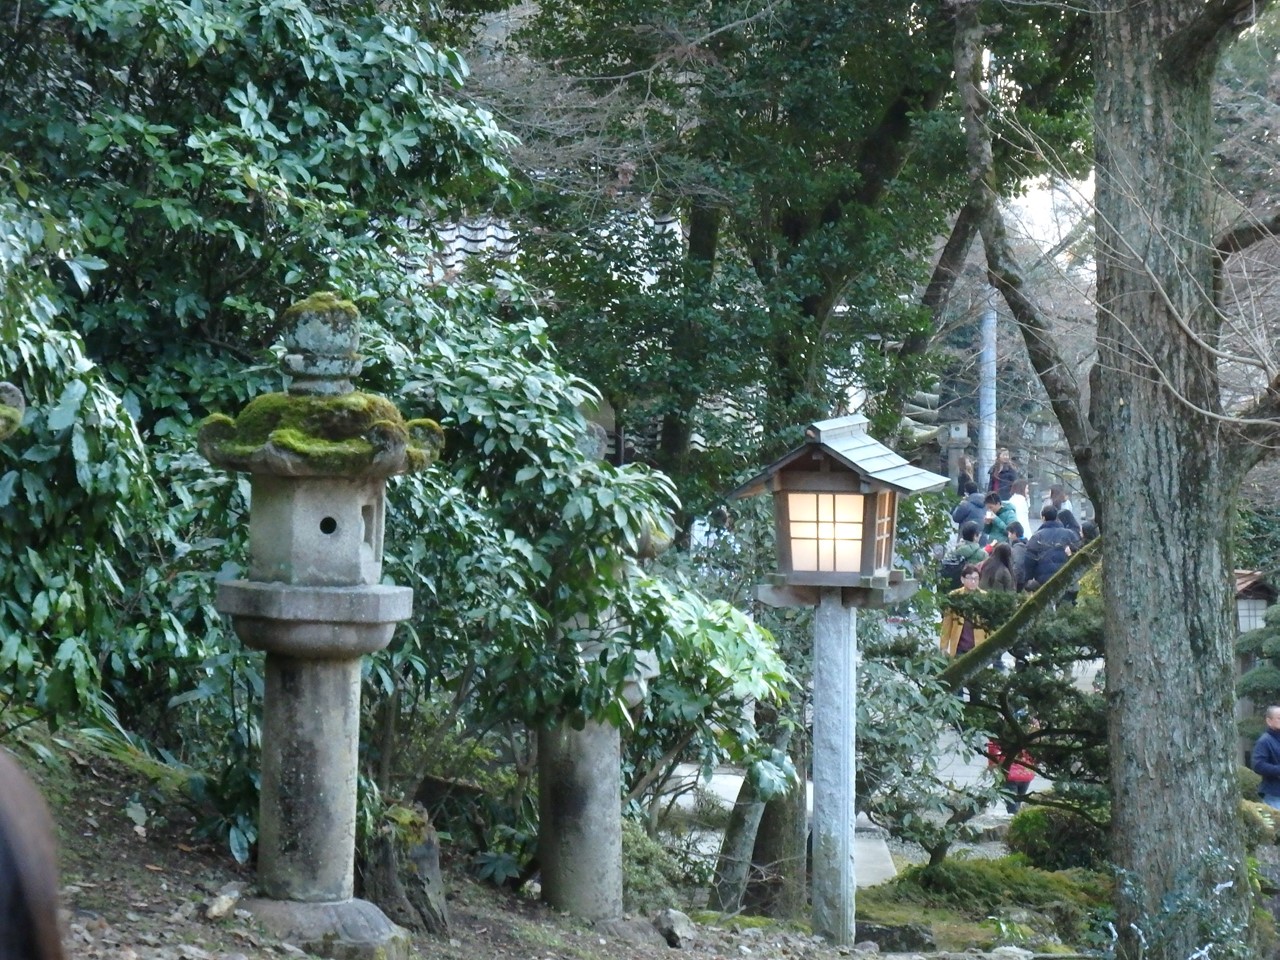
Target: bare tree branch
column 1002, row 269
column 943, row 280
column 1247, row 234
column 1258, row 433
column 1217, row 24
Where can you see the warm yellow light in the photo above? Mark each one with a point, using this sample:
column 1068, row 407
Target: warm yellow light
column 825, row 531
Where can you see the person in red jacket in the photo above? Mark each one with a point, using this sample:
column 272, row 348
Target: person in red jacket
column 1018, row 774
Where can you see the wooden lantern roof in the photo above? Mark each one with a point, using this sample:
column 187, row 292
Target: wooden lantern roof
column 844, row 441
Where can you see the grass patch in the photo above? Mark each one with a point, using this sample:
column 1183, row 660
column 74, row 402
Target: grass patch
column 952, row 929
column 978, row 887
column 746, row 921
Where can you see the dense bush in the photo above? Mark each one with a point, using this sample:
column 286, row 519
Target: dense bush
column 651, row 876
column 1053, row 839
column 1249, row 782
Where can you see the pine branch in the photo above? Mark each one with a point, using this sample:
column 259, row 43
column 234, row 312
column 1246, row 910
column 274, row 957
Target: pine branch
column 1005, row 638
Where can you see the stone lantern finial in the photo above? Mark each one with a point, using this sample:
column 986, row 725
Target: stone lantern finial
column 321, row 426
column 321, row 342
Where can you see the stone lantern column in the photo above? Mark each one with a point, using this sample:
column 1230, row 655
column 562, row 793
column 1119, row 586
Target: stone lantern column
column 580, row 784
column 318, row 455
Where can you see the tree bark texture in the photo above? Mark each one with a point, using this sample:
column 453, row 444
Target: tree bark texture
column 1167, row 480
column 779, row 886
column 733, row 866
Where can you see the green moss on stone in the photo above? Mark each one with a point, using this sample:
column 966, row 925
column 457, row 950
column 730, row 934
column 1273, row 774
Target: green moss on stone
column 10, row 419
column 325, row 302
column 351, row 434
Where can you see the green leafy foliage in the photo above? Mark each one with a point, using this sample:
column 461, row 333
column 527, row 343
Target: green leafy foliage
column 176, row 174
column 812, row 155
column 1056, row 839
column 1261, row 681
column 652, row 878
column 75, row 486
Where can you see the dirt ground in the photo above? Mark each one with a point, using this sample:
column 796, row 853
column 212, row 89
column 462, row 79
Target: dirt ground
column 138, row 884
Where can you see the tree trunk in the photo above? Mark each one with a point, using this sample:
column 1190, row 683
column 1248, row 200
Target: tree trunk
column 733, row 866
column 780, row 886
column 1167, row 492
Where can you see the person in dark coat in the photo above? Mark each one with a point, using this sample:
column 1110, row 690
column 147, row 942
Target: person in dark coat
column 1049, row 548
column 1068, row 520
column 1018, row 552
column 972, row 507
column 1003, row 473
column 1266, row 759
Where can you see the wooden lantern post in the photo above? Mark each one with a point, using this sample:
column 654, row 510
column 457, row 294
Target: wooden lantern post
column 835, row 501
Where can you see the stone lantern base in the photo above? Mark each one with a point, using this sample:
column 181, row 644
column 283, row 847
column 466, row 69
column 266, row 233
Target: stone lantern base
column 345, row 930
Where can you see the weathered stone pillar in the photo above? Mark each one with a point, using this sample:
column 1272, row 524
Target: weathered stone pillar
column 835, row 713
column 319, row 456
column 580, row 817
column 580, row 787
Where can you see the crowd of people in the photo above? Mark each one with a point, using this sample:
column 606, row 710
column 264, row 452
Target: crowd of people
column 992, row 528
column 992, row 551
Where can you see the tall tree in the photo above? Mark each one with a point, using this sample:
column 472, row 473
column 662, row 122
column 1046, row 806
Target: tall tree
column 1159, row 454
column 808, row 149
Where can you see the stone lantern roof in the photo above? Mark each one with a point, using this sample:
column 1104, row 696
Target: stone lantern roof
column 321, row 426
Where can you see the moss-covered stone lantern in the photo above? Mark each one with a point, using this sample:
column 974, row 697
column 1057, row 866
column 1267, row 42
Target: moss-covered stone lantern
column 12, row 409
column 319, row 455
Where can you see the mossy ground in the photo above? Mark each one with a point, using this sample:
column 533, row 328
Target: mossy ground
column 138, row 892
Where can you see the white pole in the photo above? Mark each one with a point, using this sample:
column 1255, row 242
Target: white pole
column 835, row 705
column 987, row 395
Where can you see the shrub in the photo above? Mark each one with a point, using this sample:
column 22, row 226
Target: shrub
column 651, row 877
column 1053, row 839
column 1249, row 782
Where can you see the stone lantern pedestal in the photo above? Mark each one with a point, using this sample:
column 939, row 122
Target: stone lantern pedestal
column 319, row 456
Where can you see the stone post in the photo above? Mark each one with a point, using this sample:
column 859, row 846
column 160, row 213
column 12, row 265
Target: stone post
column 318, row 455
column 835, row 713
column 580, row 817
column 956, row 443
column 580, row 788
